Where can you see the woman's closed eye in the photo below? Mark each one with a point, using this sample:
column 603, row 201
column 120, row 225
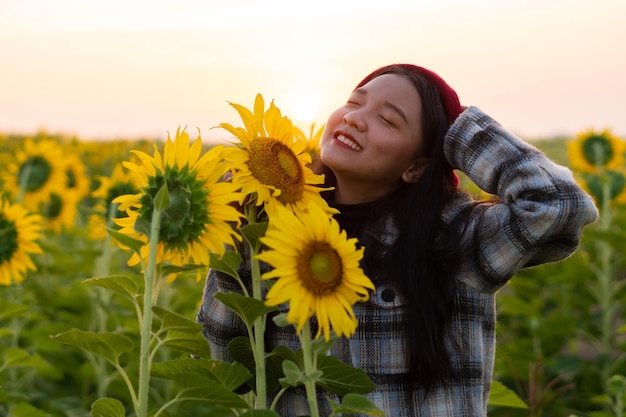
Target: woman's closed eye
column 387, row 120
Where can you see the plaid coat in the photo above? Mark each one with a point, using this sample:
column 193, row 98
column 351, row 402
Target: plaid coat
column 539, row 219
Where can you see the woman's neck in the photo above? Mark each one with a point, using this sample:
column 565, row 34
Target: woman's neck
column 348, row 192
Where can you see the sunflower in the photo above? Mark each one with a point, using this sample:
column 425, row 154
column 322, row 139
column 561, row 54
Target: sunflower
column 77, row 179
column 19, row 229
column 61, row 211
column 312, row 140
column 197, row 221
column 593, row 151
column 39, row 170
column 317, row 266
column 121, row 182
column 611, row 185
column 271, row 165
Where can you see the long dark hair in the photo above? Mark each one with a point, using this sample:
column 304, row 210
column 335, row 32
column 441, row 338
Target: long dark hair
column 422, row 261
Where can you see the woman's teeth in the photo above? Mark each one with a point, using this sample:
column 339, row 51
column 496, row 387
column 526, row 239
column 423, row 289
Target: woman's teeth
column 348, row 142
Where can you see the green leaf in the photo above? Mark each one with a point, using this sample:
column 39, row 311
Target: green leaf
column 106, row 344
column 321, row 346
column 502, row 396
column 259, row 413
column 280, row 320
column 231, row 376
column 228, row 263
column 133, row 244
column 274, row 365
column 107, row 407
column 17, row 357
column 355, row 404
column 239, row 350
column 249, row 309
column 169, row 369
column 121, row 284
column 11, row 310
column 177, row 269
column 341, row 378
column 5, row 332
column 172, row 320
column 197, row 386
column 27, row 410
column 194, row 344
column 293, row 374
column 162, row 199
column 252, row 234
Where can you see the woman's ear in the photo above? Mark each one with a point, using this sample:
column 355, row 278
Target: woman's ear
column 414, row 172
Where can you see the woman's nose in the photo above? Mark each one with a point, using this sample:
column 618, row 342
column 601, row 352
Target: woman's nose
column 354, row 119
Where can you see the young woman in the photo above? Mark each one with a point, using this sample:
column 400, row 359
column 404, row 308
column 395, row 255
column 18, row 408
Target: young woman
column 426, row 338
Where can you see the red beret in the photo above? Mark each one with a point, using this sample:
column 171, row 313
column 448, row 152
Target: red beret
column 449, row 98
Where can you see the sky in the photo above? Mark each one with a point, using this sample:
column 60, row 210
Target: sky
column 124, row 69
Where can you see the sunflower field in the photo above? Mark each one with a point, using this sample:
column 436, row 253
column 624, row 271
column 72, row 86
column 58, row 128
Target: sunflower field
column 105, row 246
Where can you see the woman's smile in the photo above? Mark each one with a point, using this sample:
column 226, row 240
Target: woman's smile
column 348, row 141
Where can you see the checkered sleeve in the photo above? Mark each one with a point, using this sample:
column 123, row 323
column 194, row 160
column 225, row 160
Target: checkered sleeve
column 541, row 210
column 219, row 323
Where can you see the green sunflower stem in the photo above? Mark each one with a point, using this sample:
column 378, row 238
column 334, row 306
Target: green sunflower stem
column 309, row 369
column 605, row 278
column 146, row 324
column 259, row 323
column 259, row 340
column 23, row 182
column 101, row 304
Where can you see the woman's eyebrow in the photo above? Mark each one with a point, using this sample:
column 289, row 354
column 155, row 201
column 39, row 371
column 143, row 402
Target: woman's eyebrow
column 397, row 110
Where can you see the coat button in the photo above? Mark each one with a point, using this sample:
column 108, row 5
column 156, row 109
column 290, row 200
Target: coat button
column 388, row 295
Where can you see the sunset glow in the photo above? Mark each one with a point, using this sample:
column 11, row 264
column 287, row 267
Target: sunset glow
column 141, row 68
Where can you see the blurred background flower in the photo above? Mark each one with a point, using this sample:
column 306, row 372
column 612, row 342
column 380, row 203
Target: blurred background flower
column 19, row 231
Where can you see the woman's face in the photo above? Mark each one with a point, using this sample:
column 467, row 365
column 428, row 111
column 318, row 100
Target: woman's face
column 374, row 140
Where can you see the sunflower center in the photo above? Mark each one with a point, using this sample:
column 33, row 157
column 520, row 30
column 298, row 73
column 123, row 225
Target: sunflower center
column 597, row 150
column 617, row 182
column 8, row 239
column 321, row 268
column 34, row 173
column 52, row 209
column 71, row 179
column 274, row 163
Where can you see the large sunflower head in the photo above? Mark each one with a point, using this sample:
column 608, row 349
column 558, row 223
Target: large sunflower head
column 593, row 151
column 318, row 270
column 38, row 171
column 19, row 230
column 271, row 164
column 200, row 216
column 120, row 182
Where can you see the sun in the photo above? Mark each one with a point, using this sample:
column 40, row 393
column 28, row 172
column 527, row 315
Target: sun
column 304, row 105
